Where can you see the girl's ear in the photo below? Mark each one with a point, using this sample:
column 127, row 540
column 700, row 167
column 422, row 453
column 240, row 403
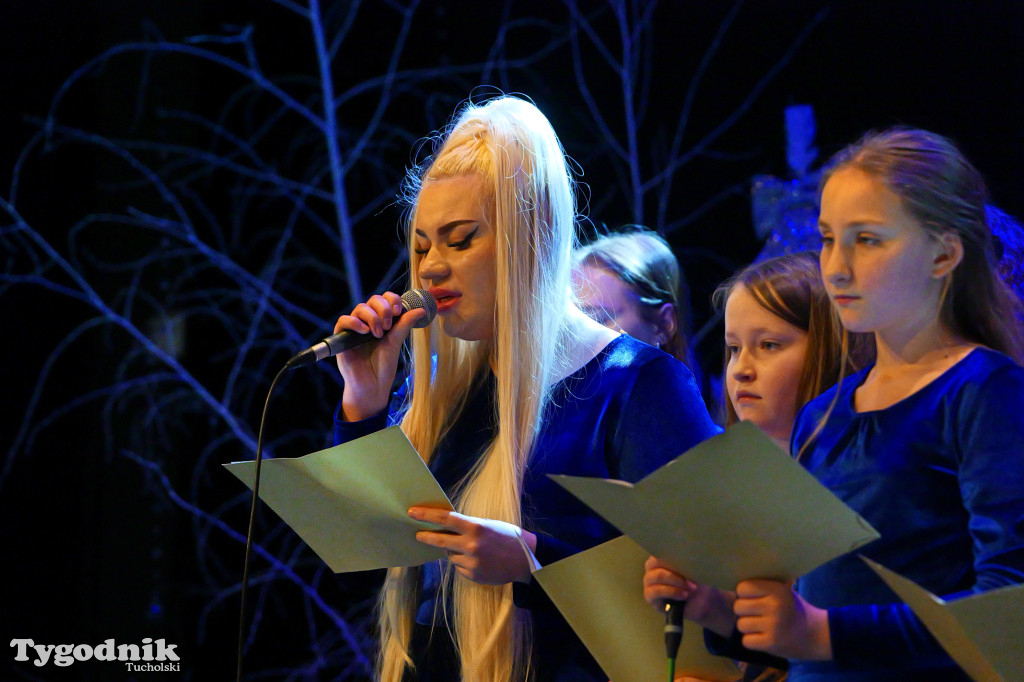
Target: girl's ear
column 948, row 254
column 666, row 322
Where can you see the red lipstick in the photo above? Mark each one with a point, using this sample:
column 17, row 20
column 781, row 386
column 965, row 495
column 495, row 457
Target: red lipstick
column 446, row 298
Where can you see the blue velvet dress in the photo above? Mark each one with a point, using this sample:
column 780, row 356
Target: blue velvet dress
column 622, row 415
column 940, row 475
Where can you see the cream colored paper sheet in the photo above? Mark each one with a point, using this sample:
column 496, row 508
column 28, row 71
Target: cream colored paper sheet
column 600, row 593
column 983, row 633
column 733, row 507
column 349, row 502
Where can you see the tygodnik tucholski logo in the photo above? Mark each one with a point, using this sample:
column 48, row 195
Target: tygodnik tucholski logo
column 148, row 656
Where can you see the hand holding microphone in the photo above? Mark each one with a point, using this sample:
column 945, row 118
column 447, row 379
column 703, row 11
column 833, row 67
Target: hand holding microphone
column 677, row 596
column 367, row 343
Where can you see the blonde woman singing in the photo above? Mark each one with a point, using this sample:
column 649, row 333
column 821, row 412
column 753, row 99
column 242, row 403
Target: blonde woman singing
column 523, row 385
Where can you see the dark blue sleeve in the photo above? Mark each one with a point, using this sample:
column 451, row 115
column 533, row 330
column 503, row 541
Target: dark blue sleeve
column 991, row 476
column 345, row 431
column 890, row 636
column 663, row 416
column 732, row 647
column 990, row 447
column 550, row 549
column 862, row 637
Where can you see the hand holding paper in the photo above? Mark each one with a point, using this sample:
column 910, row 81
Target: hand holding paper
column 598, row 592
column 707, row 606
column 776, row 620
column 732, row 508
column 349, row 503
column 486, row 551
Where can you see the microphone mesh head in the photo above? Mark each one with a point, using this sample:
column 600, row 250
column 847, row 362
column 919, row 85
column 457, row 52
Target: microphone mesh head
column 420, row 298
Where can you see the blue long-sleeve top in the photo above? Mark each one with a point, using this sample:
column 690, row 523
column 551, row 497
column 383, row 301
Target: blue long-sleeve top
column 622, row 415
column 940, row 475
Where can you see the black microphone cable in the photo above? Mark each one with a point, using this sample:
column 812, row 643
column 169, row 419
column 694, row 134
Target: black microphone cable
column 252, row 523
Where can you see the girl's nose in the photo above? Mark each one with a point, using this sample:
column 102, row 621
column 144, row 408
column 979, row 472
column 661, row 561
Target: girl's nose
column 742, row 368
column 835, row 266
column 433, row 266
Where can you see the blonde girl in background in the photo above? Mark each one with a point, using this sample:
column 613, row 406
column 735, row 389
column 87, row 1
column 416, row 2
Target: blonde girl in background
column 631, row 281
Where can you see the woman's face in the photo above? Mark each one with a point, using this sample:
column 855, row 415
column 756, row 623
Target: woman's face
column 766, row 357
column 878, row 264
column 607, row 299
column 454, row 240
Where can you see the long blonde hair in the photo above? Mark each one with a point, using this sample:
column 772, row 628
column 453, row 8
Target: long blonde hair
column 510, row 144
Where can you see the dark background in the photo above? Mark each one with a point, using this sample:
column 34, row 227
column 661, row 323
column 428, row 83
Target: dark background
column 95, row 548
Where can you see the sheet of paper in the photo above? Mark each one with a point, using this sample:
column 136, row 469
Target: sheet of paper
column 600, row 594
column 731, row 508
column 349, row 502
column 983, row 633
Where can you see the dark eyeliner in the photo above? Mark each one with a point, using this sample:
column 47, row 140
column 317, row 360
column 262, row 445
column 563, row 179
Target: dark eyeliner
column 464, row 242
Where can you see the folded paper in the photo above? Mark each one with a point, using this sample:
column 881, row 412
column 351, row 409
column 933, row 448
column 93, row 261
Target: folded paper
column 600, row 594
column 732, row 508
column 349, row 502
column 983, row 633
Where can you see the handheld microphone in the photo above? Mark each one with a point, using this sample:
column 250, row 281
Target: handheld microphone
column 413, row 299
column 673, row 632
